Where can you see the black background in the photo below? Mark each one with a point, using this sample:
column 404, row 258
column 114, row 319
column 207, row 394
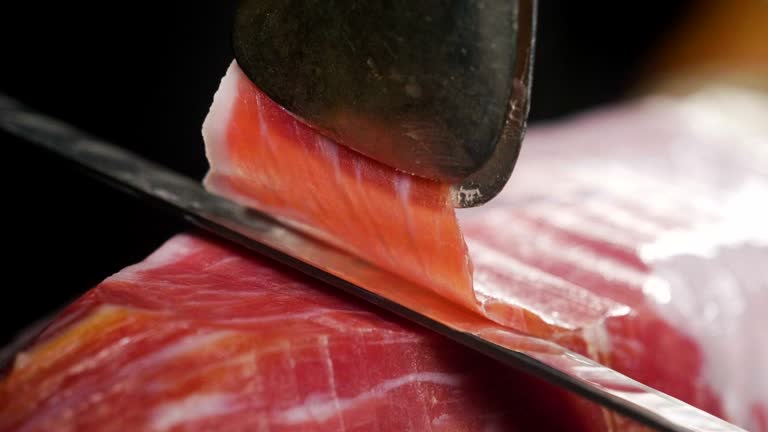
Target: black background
column 142, row 74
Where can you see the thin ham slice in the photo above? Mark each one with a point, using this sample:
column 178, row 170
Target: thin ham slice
column 262, row 156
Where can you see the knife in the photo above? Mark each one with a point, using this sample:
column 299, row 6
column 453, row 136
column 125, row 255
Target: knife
column 260, row 233
column 436, row 88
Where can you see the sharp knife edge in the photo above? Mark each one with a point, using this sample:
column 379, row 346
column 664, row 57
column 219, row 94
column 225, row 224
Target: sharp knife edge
column 262, row 234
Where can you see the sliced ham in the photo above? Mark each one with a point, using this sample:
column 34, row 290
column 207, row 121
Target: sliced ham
column 262, row 156
column 568, row 251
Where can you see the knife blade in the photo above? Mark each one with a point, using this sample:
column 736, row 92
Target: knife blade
column 260, row 233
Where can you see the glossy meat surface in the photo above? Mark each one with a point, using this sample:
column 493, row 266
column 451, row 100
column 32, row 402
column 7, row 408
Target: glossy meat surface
column 202, row 336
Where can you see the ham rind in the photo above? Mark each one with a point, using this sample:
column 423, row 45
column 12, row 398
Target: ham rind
column 202, row 336
column 600, row 243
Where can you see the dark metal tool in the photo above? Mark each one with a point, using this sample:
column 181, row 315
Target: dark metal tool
column 436, row 88
column 186, row 197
